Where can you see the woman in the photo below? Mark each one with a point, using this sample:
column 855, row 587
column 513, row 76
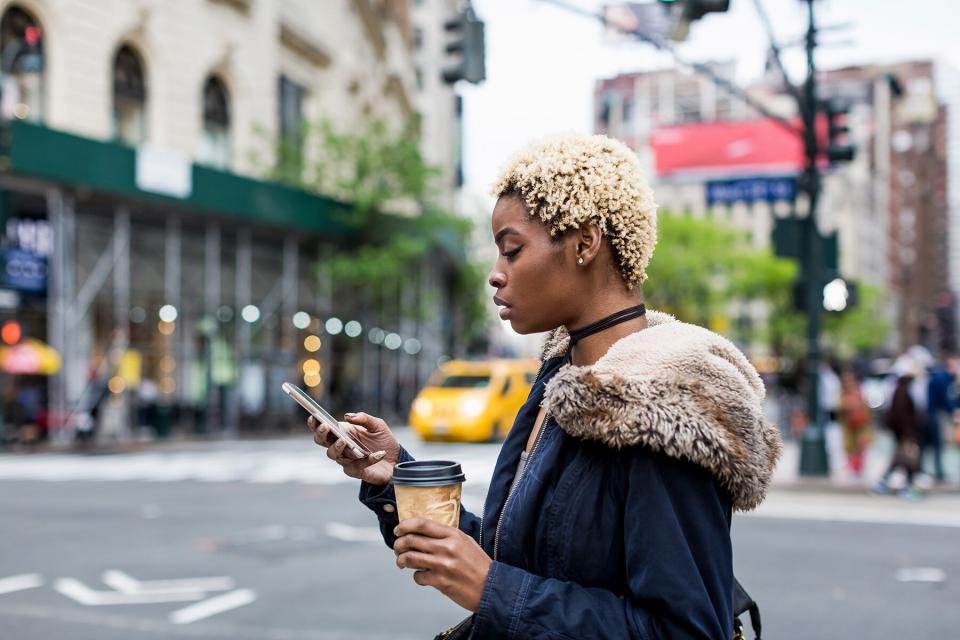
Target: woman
column 855, row 420
column 608, row 514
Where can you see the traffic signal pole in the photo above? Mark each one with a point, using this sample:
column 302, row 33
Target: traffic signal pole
column 813, row 246
column 813, row 449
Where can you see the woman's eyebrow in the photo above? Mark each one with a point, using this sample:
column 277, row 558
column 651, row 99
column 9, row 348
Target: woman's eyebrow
column 505, row 232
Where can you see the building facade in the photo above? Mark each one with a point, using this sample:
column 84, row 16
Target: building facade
column 139, row 245
column 889, row 206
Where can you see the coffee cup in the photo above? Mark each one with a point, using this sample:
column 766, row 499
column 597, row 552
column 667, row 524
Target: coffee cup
column 429, row 489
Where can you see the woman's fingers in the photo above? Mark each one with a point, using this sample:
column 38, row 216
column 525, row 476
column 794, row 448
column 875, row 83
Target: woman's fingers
column 324, row 437
column 367, row 422
column 417, row 560
column 415, row 542
column 423, row 527
column 335, row 450
column 355, row 468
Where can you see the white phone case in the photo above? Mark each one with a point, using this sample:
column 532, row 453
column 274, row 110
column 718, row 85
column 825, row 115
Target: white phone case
column 318, row 412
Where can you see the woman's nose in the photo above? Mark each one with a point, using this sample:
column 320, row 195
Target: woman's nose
column 496, row 279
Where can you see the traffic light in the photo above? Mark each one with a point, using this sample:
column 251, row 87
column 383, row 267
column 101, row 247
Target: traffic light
column 467, row 44
column 839, row 148
column 839, row 295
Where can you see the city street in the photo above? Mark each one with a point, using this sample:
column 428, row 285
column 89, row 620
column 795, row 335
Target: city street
column 266, row 540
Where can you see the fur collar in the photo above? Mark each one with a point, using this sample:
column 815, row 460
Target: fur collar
column 676, row 388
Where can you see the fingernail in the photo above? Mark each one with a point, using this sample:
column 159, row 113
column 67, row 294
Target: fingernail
column 379, row 455
column 349, row 415
column 396, row 531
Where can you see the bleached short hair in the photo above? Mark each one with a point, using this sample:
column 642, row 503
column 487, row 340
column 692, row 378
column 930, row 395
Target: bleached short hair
column 573, row 179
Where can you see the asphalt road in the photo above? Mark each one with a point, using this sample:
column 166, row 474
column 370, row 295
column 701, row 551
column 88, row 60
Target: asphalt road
column 298, row 556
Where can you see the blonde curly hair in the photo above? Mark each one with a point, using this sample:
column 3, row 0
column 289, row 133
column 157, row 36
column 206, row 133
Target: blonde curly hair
column 572, row 179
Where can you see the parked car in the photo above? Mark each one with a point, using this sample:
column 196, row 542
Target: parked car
column 472, row 401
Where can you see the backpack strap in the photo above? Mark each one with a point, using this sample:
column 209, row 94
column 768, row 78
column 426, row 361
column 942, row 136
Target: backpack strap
column 743, row 603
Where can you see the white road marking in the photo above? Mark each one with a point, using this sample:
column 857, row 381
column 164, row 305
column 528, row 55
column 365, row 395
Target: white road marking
column 836, row 509
column 20, row 582
column 921, row 574
column 213, row 606
column 79, row 592
column 127, row 584
column 350, row 533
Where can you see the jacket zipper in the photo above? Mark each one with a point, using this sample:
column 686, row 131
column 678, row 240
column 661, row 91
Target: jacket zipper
column 539, row 371
column 506, row 503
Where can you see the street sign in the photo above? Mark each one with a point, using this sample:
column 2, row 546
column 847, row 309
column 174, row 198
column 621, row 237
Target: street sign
column 750, row 190
column 23, row 271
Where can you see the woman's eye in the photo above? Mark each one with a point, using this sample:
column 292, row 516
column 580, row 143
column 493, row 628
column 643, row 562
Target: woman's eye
column 509, row 255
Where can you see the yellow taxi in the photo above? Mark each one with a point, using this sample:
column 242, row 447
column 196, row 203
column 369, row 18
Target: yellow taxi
column 472, row 401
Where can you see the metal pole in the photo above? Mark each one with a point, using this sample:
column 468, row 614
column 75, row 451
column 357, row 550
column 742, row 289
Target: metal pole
column 172, row 296
column 242, row 327
column 56, row 314
column 121, row 303
column 211, row 299
column 813, row 451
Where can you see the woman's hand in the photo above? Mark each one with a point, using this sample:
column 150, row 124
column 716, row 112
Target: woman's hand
column 444, row 558
column 370, row 432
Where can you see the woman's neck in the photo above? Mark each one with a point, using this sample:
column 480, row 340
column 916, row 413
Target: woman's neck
column 591, row 348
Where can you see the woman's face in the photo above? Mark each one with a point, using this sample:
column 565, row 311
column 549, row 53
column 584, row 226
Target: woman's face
column 534, row 275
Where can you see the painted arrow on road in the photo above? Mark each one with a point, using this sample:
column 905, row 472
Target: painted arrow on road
column 129, row 590
column 20, row 582
column 78, row 591
column 127, row 584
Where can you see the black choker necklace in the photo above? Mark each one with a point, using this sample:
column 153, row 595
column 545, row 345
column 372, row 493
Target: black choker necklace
column 603, row 324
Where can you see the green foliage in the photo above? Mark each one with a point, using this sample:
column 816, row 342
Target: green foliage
column 863, row 328
column 380, row 173
column 702, row 269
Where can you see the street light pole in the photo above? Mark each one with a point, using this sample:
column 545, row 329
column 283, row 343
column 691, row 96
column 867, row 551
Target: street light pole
column 813, row 451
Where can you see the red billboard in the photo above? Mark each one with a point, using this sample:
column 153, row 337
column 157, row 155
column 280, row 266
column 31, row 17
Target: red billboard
column 711, row 149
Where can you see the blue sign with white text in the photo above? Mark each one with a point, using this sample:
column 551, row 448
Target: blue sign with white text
column 23, row 271
column 751, row 190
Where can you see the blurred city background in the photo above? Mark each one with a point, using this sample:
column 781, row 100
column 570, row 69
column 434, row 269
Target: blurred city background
column 203, row 199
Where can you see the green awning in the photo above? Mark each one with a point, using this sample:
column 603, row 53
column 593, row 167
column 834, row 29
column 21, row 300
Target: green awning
column 36, row 151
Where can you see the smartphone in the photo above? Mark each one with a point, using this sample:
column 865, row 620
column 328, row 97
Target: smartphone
column 328, row 420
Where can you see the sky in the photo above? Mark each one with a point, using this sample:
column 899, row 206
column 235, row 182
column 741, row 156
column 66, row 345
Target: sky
column 542, row 61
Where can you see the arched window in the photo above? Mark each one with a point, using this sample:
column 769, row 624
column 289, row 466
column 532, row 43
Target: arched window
column 129, row 97
column 21, row 59
column 215, row 141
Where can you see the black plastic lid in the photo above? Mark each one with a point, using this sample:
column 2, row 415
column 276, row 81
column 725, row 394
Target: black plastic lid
column 427, row 473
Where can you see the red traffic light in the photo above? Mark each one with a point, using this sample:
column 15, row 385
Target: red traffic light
column 32, row 35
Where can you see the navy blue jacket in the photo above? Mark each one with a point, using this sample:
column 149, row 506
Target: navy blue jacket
column 596, row 542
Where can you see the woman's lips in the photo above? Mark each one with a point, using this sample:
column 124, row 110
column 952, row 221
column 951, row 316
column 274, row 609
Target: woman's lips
column 504, row 312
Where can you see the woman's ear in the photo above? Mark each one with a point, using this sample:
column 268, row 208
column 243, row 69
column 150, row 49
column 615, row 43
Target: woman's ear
column 588, row 240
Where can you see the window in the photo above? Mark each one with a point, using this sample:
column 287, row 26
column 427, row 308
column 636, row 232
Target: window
column 129, row 98
column 215, row 141
column 464, row 382
column 21, row 44
column 291, row 96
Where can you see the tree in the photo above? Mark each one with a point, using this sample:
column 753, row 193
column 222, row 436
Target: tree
column 703, row 268
column 390, row 189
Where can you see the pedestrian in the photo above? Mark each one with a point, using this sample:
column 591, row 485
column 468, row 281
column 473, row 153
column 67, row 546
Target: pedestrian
column 854, row 415
column 940, row 406
column 609, row 510
column 905, row 420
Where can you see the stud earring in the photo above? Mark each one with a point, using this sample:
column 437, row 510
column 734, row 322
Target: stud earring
column 580, row 260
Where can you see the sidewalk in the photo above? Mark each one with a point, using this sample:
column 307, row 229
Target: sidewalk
column 787, row 474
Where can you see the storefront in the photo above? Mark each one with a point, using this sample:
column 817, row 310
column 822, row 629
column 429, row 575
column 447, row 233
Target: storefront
column 179, row 297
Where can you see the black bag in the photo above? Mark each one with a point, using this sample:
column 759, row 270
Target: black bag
column 460, row 631
column 742, row 603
